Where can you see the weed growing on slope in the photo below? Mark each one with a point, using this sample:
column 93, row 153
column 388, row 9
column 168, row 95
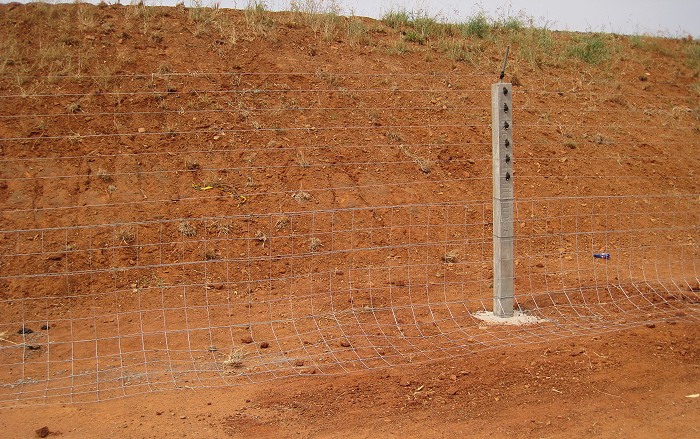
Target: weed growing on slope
column 456, row 50
column 590, row 49
column 201, row 13
column 187, row 229
column 693, row 55
column 477, row 26
column 357, row 32
column 323, row 16
column 396, row 19
column 9, row 53
column 417, row 27
column 535, row 45
column 258, row 19
column 125, row 237
column 234, row 360
column 211, row 19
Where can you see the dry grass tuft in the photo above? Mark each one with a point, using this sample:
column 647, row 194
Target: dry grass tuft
column 9, row 53
column 281, row 223
column 301, row 196
column 73, row 107
column 192, row 165
column 395, row 137
column 450, row 258
column 235, row 359
column 258, row 20
column 220, row 228
column 315, row 244
column 423, row 164
column 322, row 16
column 103, row 175
column 301, row 159
column 187, row 229
column 261, row 237
column 125, row 236
column 357, row 32
column 211, row 255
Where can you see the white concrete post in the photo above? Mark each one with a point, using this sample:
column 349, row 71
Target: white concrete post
column 502, row 138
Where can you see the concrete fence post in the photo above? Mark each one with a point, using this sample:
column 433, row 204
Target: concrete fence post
column 502, row 138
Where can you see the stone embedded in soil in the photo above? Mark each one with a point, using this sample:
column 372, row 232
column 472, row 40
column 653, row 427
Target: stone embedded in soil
column 247, row 339
column 404, row 382
column 43, row 432
column 299, row 363
column 25, row 331
column 45, row 327
column 264, row 345
column 345, row 343
column 651, row 325
column 452, row 391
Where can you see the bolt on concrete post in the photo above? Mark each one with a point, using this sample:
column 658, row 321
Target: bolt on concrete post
column 502, row 138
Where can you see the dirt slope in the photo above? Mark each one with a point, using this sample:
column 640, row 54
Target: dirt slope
column 179, row 185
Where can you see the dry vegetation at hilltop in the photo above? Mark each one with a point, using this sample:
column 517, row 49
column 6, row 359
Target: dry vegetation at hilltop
column 45, row 39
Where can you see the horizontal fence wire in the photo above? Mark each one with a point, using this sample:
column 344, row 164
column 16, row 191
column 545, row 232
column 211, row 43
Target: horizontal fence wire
column 203, row 229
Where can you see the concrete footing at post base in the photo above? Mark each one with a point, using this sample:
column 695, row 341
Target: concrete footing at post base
column 519, row 318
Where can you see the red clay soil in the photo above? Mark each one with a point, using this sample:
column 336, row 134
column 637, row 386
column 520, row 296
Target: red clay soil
column 633, row 383
column 180, row 186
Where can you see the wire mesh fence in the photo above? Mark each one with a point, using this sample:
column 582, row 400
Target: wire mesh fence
column 174, row 230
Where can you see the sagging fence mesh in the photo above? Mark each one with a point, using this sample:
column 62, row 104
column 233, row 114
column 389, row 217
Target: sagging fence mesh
column 195, row 229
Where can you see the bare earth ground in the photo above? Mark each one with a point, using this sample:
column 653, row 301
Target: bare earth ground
column 632, row 383
column 113, row 237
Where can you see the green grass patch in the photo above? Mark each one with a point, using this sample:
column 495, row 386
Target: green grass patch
column 396, row 19
column 414, row 37
column 358, row 33
column 323, row 16
column 650, row 44
column 693, row 55
column 428, row 26
column 418, row 27
column 512, row 24
column 477, row 26
column 535, row 46
column 590, row 49
column 457, row 50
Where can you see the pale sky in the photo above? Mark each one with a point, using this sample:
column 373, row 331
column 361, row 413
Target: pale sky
column 676, row 18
